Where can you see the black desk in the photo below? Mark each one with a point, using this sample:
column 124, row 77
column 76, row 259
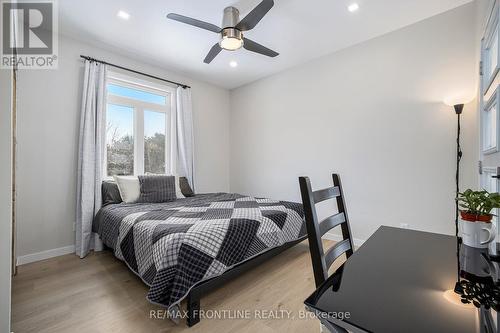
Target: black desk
column 397, row 281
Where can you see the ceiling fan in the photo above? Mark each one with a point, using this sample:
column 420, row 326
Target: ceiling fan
column 232, row 30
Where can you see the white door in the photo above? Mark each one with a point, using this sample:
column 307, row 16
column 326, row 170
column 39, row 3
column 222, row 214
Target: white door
column 489, row 165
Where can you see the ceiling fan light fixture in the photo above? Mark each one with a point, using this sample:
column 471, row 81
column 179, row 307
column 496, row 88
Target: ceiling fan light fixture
column 232, row 39
column 231, row 44
column 231, row 33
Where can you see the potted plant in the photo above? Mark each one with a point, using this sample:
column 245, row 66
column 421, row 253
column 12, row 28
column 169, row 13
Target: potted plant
column 476, row 216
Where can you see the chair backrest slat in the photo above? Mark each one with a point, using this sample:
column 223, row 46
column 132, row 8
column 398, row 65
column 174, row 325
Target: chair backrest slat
column 325, row 194
column 336, row 251
column 315, row 229
column 331, row 222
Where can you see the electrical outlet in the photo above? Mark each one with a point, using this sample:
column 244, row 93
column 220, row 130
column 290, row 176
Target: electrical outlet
column 404, row 225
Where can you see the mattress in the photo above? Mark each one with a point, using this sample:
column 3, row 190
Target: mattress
column 176, row 245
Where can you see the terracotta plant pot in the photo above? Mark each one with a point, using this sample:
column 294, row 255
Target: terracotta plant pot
column 474, row 218
column 484, row 218
column 468, row 216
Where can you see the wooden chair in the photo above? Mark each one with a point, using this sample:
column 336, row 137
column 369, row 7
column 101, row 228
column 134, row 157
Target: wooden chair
column 321, row 260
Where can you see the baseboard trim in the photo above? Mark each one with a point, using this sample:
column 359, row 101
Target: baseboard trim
column 331, row 236
column 34, row 257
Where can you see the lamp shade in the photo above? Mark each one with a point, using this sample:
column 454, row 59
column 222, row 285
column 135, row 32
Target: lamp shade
column 458, row 108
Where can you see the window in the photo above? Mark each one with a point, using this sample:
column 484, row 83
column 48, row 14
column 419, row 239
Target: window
column 137, row 126
column 490, row 124
column 490, row 55
column 492, row 64
column 490, row 128
column 154, row 141
column 119, row 140
column 490, row 184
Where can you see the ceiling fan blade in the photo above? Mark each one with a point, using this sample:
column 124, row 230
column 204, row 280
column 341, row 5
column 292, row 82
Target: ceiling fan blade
column 194, row 22
column 254, row 17
column 250, row 45
column 214, row 51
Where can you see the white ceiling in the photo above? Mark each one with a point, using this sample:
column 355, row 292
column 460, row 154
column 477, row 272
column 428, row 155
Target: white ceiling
column 299, row 30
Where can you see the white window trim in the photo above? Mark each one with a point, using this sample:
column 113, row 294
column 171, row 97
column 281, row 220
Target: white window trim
column 495, row 98
column 488, row 172
column 485, row 179
column 492, row 28
column 136, row 83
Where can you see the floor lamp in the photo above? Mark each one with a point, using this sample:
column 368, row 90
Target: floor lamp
column 458, row 110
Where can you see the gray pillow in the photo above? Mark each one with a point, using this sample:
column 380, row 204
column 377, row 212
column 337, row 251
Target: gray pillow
column 110, row 193
column 186, row 190
column 157, row 188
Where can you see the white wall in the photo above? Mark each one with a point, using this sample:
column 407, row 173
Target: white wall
column 5, row 198
column 374, row 114
column 49, row 116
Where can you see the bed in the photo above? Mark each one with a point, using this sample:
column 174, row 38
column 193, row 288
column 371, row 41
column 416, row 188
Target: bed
column 184, row 248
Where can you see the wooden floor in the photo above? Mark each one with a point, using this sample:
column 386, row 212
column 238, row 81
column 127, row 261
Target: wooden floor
column 100, row 294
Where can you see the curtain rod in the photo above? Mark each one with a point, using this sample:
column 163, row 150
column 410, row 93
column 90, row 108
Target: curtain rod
column 134, row 71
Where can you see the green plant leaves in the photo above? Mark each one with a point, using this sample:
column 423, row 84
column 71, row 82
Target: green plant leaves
column 478, row 202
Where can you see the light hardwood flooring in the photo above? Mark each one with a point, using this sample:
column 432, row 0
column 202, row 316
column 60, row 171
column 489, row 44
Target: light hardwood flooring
column 100, row 294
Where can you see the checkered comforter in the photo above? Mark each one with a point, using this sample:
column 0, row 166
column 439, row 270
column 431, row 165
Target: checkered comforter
column 174, row 246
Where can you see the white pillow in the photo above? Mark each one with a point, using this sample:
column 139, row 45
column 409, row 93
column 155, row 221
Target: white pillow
column 129, row 188
column 178, row 192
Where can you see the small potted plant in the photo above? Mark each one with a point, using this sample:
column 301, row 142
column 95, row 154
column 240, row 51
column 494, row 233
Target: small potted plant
column 476, row 216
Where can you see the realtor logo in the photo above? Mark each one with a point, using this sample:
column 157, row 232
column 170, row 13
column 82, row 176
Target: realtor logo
column 29, row 34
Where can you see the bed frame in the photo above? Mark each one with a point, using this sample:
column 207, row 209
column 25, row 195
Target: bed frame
column 194, row 296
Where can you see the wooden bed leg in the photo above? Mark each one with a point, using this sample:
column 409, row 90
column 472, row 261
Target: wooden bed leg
column 193, row 311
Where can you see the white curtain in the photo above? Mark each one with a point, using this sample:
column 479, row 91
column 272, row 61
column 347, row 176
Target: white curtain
column 90, row 156
column 185, row 137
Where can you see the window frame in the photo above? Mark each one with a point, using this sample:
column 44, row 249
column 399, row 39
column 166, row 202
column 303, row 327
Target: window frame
column 493, row 102
column 139, row 107
column 492, row 30
column 486, row 179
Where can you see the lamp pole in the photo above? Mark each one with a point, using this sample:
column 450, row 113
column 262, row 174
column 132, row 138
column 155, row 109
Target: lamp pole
column 458, row 110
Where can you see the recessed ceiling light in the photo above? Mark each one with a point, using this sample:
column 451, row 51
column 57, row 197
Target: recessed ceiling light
column 123, row 15
column 353, row 7
column 233, row 64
